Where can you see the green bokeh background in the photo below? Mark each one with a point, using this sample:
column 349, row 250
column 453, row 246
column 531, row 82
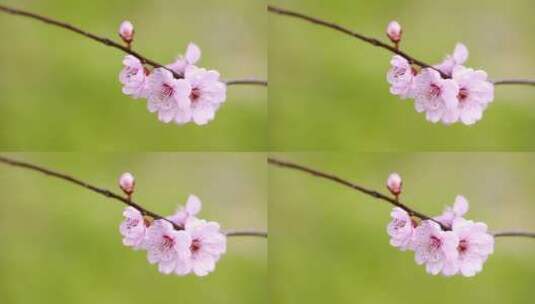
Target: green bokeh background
column 328, row 91
column 60, row 91
column 328, row 243
column 61, row 243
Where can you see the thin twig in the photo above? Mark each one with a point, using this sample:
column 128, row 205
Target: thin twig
column 514, row 233
column 372, row 193
column 378, row 43
column 103, row 40
column 515, row 81
column 339, row 28
column 104, row 192
column 247, row 81
column 72, row 28
column 376, row 194
column 246, row 233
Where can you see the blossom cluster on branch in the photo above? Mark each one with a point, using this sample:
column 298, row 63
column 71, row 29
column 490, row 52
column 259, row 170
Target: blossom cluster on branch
column 180, row 244
column 448, row 244
column 180, row 92
column 447, row 92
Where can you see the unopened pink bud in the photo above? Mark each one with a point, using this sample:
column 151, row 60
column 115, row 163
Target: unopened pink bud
column 126, row 31
column 394, row 183
column 127, row 183
column 393, row 31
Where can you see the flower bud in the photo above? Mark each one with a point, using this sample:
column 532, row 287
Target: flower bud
column 393, row 31
column 126, row 31
column 394, row 183
column 127, row 183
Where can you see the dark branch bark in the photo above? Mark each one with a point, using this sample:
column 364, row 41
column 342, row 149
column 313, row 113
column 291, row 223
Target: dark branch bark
column 515, row 81
column 514, row 233
column 246, row 233
column 247, row 81
column 372, row 193
column 339, row 28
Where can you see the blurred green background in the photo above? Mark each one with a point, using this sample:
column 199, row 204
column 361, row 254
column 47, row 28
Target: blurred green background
column 328, row 243
column 60, row 91
column 329, row 91
column 61, row 243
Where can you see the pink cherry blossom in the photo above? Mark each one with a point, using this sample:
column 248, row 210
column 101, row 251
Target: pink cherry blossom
column 126, row 31
column 133, row 228
column 192, row 55
column 167, row 246
column 401, row 77
column 207, row 245
column 393, row 31
column 437, row 97
column 394, row 183
column 474, row 247
column 206, row 95
column 459, row 209
column 475, row 93
column 459, row 57
column 435, row 248
column 187, row 212
column 167, row 96
column 127, row 183
column 181, row 92
column 134, row 78
column 401, row 229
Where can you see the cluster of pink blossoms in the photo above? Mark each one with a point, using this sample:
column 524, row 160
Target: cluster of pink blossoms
column 457, row 246
column 194, row 95
column 449, row 92
column 180, row 244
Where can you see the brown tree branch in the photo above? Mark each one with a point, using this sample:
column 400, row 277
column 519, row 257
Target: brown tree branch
column 378, row 43
column 515, row 81
column 514, row 233
column 376, row 194
column 372, row 193
column 110, row 194
column 103, row 40
column 247, row 81
column 246, row 233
